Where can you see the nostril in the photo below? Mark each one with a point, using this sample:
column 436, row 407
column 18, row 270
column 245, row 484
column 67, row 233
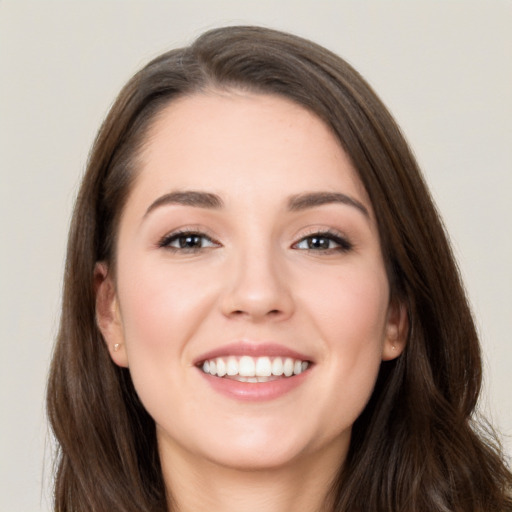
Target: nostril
column 241, row 312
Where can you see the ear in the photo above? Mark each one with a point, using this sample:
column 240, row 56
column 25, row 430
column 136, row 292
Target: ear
column 108, row 315
column 397, row 330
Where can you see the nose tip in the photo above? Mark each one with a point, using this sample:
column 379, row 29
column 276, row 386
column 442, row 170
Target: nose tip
column 258, row 291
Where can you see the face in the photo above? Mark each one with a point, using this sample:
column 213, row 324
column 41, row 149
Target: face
column 250, row 302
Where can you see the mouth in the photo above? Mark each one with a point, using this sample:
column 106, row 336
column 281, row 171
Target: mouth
column 253, row 369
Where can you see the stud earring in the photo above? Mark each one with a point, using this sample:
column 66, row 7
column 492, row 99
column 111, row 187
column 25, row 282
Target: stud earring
column 116, row 347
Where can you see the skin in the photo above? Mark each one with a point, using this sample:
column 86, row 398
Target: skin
column 252, row 278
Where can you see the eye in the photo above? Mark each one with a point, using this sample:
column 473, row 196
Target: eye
column 187, row 241
column 323, row 242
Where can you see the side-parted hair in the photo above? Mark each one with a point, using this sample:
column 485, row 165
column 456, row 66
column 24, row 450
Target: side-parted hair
column 417, row 446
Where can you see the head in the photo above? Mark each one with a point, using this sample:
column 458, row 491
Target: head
column 439, row 367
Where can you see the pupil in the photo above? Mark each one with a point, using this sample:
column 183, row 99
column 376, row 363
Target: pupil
column 316, row 242
column 190, row 241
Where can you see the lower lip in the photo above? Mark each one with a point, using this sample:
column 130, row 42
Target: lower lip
column 255, row 391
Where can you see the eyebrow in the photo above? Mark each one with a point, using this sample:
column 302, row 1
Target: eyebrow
column 307, row 200
column 188, row 198
column 296, row 203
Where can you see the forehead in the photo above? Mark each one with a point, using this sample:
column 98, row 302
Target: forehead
column 236, row 142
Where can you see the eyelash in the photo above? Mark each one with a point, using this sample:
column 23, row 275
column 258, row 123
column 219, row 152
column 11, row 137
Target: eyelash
column 342, row 243
column 166, row 241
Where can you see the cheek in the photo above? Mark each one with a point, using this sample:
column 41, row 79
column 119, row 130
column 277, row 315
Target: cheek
column 159, row 304
column 161, row 309
column 349, row 312
column 349, row 306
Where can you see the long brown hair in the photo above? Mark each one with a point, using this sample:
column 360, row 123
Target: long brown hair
column 417, row 446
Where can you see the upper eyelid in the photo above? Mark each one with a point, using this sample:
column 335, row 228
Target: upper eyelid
column 173, row 235
column 203, row 232
column 338, row 237
column 319, row 231
column 192, row 230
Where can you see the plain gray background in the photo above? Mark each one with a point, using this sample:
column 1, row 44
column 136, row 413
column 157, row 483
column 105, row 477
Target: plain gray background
column 442, row 67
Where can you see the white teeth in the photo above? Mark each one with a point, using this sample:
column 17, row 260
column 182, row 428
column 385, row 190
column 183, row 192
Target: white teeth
column 221, row 367
column 246, row 367
column 277, row 366
column 288, row 367
column 232, row 366
column 254, row 369
column 263, row 367
column 253, row 379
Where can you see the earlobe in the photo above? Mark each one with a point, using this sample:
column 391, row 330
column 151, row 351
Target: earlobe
column 108, row 316
column 397, row 330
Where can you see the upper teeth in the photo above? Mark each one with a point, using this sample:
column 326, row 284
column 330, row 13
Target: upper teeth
column 247, row 366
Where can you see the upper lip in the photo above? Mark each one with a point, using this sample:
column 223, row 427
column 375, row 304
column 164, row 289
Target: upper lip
column 246, row 348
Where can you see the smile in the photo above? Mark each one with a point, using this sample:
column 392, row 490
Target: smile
column 253, row 369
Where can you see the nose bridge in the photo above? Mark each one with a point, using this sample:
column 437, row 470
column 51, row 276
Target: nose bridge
column 257, row 287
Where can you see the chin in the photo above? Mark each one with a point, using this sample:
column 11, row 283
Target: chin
column 261, row 446
column 247, row 458
column 240, row 446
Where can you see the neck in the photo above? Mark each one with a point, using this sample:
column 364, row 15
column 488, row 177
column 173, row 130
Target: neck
column 301, row 486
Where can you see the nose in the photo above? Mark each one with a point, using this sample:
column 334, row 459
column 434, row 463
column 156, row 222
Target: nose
column 257, row 287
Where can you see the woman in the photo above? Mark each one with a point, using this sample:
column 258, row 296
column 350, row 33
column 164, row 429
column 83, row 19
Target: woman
column 261, row 310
